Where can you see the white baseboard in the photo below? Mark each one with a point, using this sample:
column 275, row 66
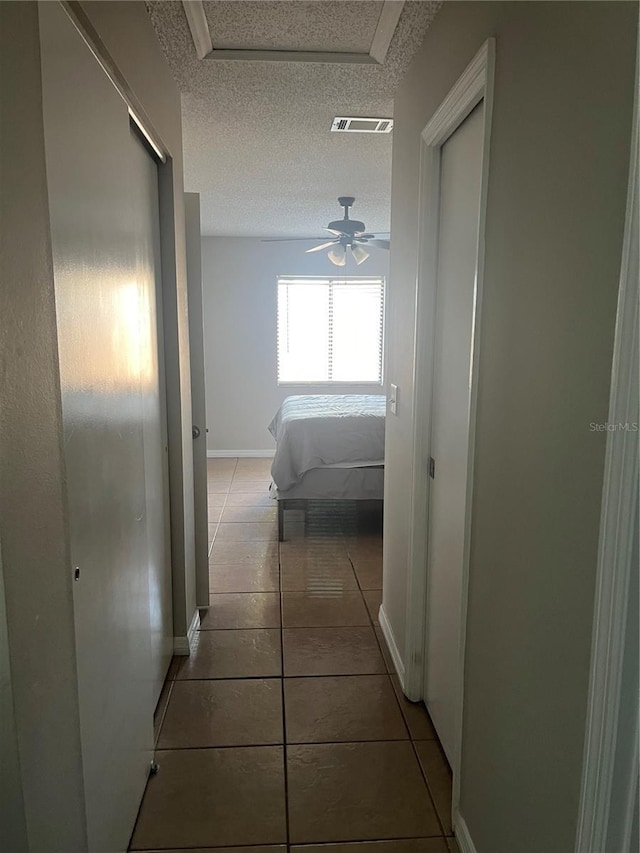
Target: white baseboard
column 242, row 454
column 387, row 632
column 182, row 645
column 463, row 837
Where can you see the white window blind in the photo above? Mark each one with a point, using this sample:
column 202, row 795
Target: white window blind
column 330, row 329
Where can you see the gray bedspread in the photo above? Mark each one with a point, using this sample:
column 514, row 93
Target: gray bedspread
column 332, row 430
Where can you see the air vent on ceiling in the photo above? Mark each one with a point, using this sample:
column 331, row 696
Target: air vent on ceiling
column 350, row 124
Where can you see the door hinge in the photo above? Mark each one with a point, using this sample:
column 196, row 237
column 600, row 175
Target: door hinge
column 432, row 467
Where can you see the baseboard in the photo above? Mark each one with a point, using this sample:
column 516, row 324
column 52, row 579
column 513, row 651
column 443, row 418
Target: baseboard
column 387, row 633
column 463, row 837
column 182, row 645
column 242, row 454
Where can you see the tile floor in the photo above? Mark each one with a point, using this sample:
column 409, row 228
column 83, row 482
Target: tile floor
column 286, row 729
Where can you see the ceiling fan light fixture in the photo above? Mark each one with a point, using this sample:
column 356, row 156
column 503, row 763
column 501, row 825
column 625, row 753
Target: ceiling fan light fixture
column 338, row 256
column 359, row 253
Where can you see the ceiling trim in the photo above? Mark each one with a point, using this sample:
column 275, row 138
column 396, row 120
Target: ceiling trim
column 201, row 35
column 387, row 23
column 197, row 20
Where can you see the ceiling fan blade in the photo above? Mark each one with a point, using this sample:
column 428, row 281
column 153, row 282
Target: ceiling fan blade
column 288, row 239
column 333, row 231
column 321, row 246
column 365, row 236
column 380, row 244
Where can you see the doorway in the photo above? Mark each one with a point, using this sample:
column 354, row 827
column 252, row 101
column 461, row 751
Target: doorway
column 454, row 170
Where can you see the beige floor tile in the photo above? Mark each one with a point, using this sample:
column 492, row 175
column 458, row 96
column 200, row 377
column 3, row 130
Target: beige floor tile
column 373, row 600
column 386, row 654
column 212, row 532
column 318, row 576
column 218, row 485
column 439, row 779
column 214, row 798
column 329, row 609
column 223, row 713
column 250, row 513
column 279, row 848
column 243, row 577
column 216, row 501
column 409, row 845
column 415, row 714
column 214, row 514
column 258, row 498
column 365, row 548
column 342, row 708
column 222, row 465
column 357, row 791
column 452, row 845
column 244, row 552
column 254, row 465
column 242, row 484
column 242, row 610
column 369, row 574
column 248, row 531
column 234, row 654
column 331, row 651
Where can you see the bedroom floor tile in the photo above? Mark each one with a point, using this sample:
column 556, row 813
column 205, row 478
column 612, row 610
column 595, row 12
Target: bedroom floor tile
column 248, row 531
column 234, row 654
column 243, row 577
column 315, row 609
column 318, row 576
column 331, row 651
column 373, row 600
column 214, row 798
column 369, row 574
column 357, row 791
column 247, row 712
column 342, row 708
column 230, row 611
column 354, row 781
column 439, row 779
column 256, row 498
column 244, row 552
column 250, row 513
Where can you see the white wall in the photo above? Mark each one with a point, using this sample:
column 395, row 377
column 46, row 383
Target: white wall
column 555, row 216
column 239, row 281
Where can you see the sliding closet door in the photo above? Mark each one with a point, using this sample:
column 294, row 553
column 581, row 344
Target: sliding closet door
column 104, row 237
column 143, row 186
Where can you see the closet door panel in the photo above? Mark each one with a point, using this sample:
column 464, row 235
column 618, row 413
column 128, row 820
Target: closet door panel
column 100, row 305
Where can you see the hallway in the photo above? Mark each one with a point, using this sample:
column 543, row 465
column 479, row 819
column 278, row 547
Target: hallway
column 329, row 753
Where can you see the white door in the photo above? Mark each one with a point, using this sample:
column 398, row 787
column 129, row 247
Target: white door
column 143, row 189
column 102, row 190
column 460, row 180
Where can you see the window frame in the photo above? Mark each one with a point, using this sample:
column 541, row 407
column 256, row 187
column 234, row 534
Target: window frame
column 332, row 383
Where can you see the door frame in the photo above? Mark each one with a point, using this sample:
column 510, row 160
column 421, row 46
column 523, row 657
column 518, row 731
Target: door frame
column 473, row 86
column 618, row 512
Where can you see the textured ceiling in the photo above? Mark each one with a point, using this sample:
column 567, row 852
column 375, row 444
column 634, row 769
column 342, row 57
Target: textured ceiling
column 257, row 139
column 264, row 25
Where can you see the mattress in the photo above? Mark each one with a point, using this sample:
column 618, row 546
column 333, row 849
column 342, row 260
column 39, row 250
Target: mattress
column 326, row 431
column 337, row 484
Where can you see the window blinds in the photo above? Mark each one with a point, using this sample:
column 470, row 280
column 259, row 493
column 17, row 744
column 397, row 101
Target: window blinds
column 330, row 330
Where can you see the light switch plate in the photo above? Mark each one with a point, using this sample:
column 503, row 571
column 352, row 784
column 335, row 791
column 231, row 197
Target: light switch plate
column 393, row 399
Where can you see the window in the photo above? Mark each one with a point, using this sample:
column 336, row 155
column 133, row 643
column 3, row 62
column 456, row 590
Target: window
column 330, row 329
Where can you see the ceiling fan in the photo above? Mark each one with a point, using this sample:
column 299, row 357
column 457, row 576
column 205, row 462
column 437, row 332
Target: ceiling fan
column 349, row 234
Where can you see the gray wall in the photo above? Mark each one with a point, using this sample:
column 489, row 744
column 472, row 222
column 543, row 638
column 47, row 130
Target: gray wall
column 32, row 479
column 240, row 307
column 12, row 819
column 556, row 201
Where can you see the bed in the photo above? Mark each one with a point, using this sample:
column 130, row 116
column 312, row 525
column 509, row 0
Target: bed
column 328, row 447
